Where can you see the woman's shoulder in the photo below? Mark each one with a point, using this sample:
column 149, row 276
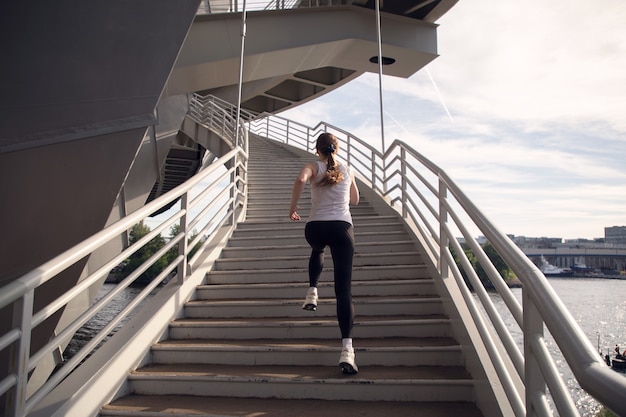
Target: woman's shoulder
column 314, row 167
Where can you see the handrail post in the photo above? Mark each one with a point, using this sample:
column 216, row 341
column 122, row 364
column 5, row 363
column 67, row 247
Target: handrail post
column 349, row 150
column 308, row 138
column 384, row 163
column 443, row 236
column 182, row 245
column 403, row 183
column 23, row 317
column 533, row 328
column 373, row 171
column 233, row 188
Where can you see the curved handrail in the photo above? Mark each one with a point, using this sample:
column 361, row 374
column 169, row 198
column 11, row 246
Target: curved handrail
column 229, row 6
column 216, row 206
column 589, row 369
column 427, row 198
column 400, row 176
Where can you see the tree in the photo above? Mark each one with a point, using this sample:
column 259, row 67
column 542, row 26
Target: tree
column 495, row 258
column 137, row 232
column 140, row 230
column 605, row 412
column 497, row 261
column 173, row 253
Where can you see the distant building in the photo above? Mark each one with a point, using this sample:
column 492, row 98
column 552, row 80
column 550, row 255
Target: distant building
column 536, row 242
column 615, row 234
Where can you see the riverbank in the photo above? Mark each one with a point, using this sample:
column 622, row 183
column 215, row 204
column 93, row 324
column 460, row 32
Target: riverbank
column 514, row 283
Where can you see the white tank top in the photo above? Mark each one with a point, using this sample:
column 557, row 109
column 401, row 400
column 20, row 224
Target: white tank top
column 331, row 202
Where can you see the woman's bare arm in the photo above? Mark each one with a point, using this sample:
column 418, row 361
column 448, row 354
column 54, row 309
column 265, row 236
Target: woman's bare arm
column 354, row 192
column 298, row 186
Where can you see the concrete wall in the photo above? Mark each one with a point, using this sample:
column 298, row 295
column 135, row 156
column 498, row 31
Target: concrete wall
column 79, row 86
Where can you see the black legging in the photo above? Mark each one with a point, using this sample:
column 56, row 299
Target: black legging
column 339, row 236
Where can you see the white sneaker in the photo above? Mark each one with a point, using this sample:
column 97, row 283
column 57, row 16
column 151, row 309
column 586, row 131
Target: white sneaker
column 310, row 302
column 346, row 361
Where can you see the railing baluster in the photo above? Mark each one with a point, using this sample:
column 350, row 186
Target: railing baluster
column 403, row 182
column 182, row 245
column 540, row 374
column 534, row 381
column 23, row 317
column 443, row 236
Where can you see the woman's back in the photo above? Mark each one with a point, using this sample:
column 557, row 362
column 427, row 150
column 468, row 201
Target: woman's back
column 330, row 202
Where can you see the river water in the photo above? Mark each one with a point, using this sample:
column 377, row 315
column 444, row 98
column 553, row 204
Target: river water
column 598, row 305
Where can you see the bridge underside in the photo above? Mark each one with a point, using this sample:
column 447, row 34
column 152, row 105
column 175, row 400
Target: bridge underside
column 93, row 97
column 293, row 56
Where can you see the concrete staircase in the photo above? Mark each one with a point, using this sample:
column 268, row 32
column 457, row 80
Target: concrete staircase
column 246, row 348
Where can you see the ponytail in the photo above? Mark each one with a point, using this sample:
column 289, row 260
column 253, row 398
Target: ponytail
column 327, row 145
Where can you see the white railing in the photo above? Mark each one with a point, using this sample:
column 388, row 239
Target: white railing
column 209, row 201
column 436, row 209
column 422, row 193
column 235, row 6
column 220, row 117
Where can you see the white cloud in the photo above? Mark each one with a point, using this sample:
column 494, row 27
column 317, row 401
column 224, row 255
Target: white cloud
column 537, row 94
column 535, row 60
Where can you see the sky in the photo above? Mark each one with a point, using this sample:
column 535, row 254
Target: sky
column 525, row 108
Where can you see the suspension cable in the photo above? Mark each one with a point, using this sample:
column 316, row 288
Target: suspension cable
column 240, row 83
column 380, row 76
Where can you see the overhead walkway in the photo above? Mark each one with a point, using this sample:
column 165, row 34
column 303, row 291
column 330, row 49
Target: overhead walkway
column 296, row 51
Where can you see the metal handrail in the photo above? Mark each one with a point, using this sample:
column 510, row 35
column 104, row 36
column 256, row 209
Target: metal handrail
column 235, row 6
column 437, row 209
column 432, row 205
column 225, row 188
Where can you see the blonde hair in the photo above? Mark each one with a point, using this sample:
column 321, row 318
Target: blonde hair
column 327, row 145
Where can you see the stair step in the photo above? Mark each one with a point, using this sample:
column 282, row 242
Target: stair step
column 364, row 306
column 372, row 383
column 280, row 228
column 280, row 211
column 295, row 261
column 259, row 276
column 298, row 239
column 305, row 250
column 358, row 221
column 211, row 406
column 382, row 352
column 314, row 327
column 305, row 204
column 424, row 286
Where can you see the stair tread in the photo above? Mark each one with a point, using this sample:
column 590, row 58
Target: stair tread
column 382, row 218
column 356, row 234
column 364, row 299
column 302, row 284
column 170, row 405
column 329, row 268
column 296, row 373
column 314, row 320
column 291, row 257
column 365, row 343
column 306, row 246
